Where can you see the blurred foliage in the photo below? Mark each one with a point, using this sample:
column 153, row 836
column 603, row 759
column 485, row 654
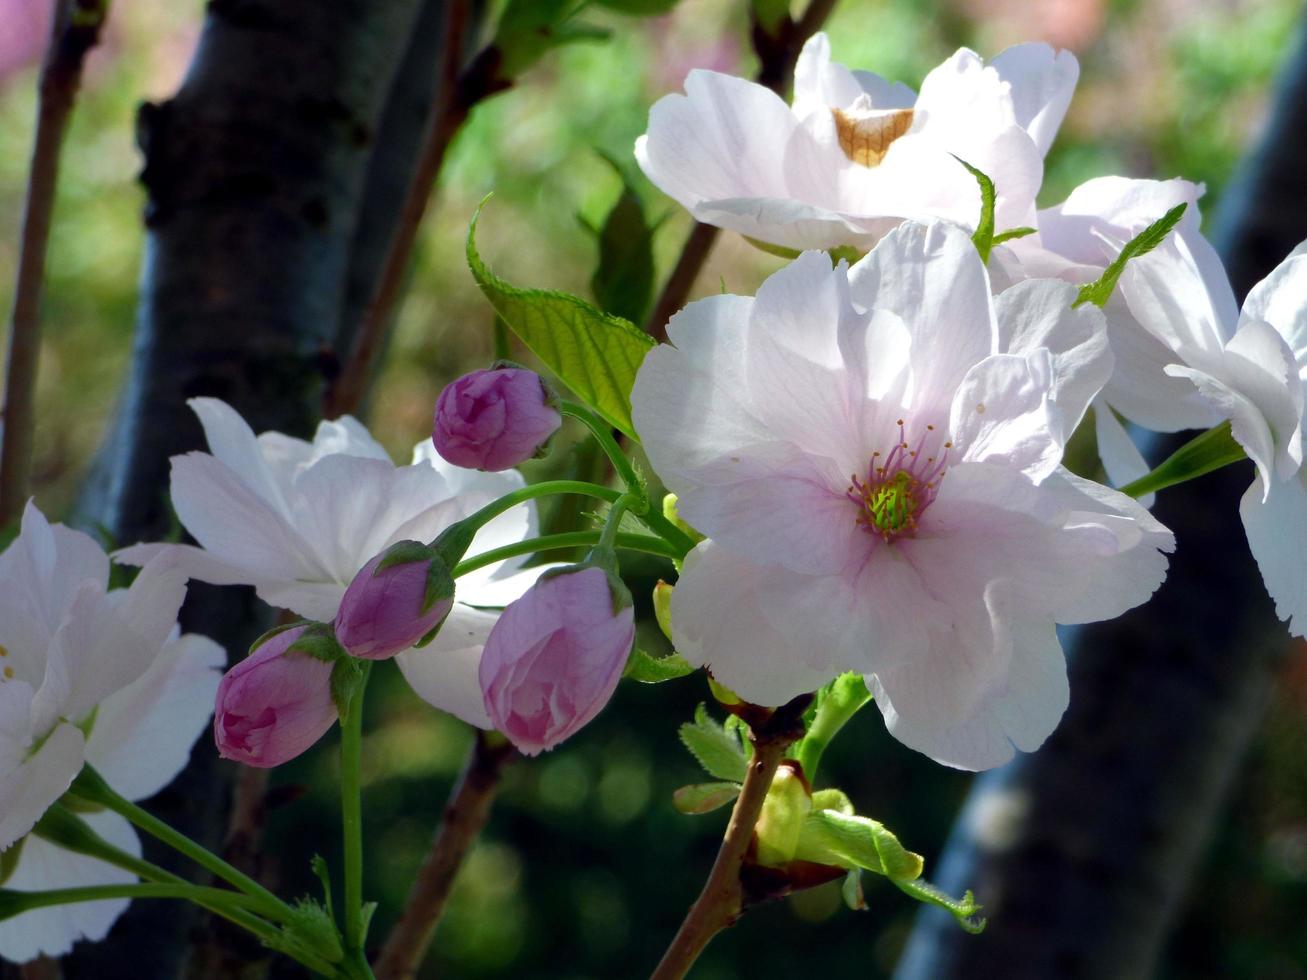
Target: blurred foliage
column 586, row 868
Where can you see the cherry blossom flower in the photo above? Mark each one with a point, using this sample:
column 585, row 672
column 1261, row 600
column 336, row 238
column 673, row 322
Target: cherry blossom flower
column 298, row 520
column 875, row 456
column 1251, row 368
column 554, row 658
column 89, row 675
column 855, row 154
column 1075, row 241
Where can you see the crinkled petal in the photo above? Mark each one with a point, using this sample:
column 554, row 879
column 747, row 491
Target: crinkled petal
column 1273, row 520
column 43, row 866
column 444, row 673
column 29, row 790
column 233, row 443
column 932, row 277
column 1281, row 300
column 1121, row 458
column 1041, row 82
column 718, row 622
column 1002, row 412
column 143, row 733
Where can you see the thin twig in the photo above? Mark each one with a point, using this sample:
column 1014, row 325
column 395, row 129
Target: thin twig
column 75, row 29
column 777, row 54
column 722, row 900
column 460, row 90
column 465, row 814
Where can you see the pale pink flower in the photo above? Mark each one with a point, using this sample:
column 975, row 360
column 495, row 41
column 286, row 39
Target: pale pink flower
column 1075, row 241
column 855, row 154
column 87, row 675
column 494, row 419
column 274, row 704
column 555, row 656
column 875, row 456
column 298, row 520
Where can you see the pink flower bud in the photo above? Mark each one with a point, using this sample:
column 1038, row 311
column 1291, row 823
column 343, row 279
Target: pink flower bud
column 274, row 704
column 552, row 660
column 495, row 419
column 382, row 612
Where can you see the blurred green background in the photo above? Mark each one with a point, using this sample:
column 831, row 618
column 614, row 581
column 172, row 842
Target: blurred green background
column 586, row 869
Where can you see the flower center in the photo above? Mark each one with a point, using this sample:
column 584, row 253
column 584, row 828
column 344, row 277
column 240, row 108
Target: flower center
column 865, row 136
column 899, row 485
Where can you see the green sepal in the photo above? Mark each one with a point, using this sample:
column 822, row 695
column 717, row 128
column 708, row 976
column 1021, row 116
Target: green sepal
column 1202, row 454
column 61, row 826
column 851, row 890
column 9, row 859
column 347, row 677
column 1100, row 290
column 366, row 912
column 780, row 251
column 431, row 633
column 983, row 236
column 782, row 820
column 832, row 799
column 440, row 585
column 594, row 354
column 673, row 515
column 319, row 642
column 718, row 749
column 403, row 553
column 276, row 630
column 312, row 928
column 647, row 669
column 700, row 798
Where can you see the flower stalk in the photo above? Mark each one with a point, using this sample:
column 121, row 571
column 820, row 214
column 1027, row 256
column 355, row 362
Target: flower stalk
column 351, row 811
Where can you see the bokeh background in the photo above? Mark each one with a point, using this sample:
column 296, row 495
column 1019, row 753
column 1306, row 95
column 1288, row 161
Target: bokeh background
column 585, row 869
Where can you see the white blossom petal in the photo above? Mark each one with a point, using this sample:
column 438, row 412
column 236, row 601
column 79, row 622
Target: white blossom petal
column 444, row 673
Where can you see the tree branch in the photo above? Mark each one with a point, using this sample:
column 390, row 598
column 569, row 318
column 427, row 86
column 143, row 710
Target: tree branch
column 75, row 29
column 466, row 814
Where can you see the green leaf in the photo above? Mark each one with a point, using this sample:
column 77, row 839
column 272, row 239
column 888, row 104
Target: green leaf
column 594, row 354
column 528, row 29
column 638, row 8
column 623, row 281
column 1100, row 291
column 834, row 705
column 704, row 797
column 719, row 752
column 849, row 841
column 1204, row 453
column 832, row 799
column 851, row 890
column 321, row 871
column 780, row 251
column 984, row 233
column 963, row 909
column 654, row 670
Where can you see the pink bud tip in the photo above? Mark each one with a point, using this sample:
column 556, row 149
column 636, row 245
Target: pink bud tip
column 273, row 704
column 554, row 657
column 494, row 419
column 381, row 613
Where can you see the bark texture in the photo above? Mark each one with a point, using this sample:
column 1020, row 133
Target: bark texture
column 1083, row 852
column 255, row 173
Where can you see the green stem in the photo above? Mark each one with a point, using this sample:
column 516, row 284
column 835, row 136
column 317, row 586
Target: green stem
column 608, row 539
column 604, row 436
column 91, row 785
column 846, row 696
column 1202, row 454
column 507, row 502
column 16, row 902
column 570, row 539
column 351, row 815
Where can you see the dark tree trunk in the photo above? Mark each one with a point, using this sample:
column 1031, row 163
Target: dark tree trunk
column 256, row 173
column 1083, row 852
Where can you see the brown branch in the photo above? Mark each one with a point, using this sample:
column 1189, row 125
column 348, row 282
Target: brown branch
column 777, row 54
column 74, row 31
column 722, row 900
column 461, row 91
column 465, row 815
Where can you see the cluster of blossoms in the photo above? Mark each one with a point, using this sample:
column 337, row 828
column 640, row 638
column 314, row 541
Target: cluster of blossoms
column 867, row 462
